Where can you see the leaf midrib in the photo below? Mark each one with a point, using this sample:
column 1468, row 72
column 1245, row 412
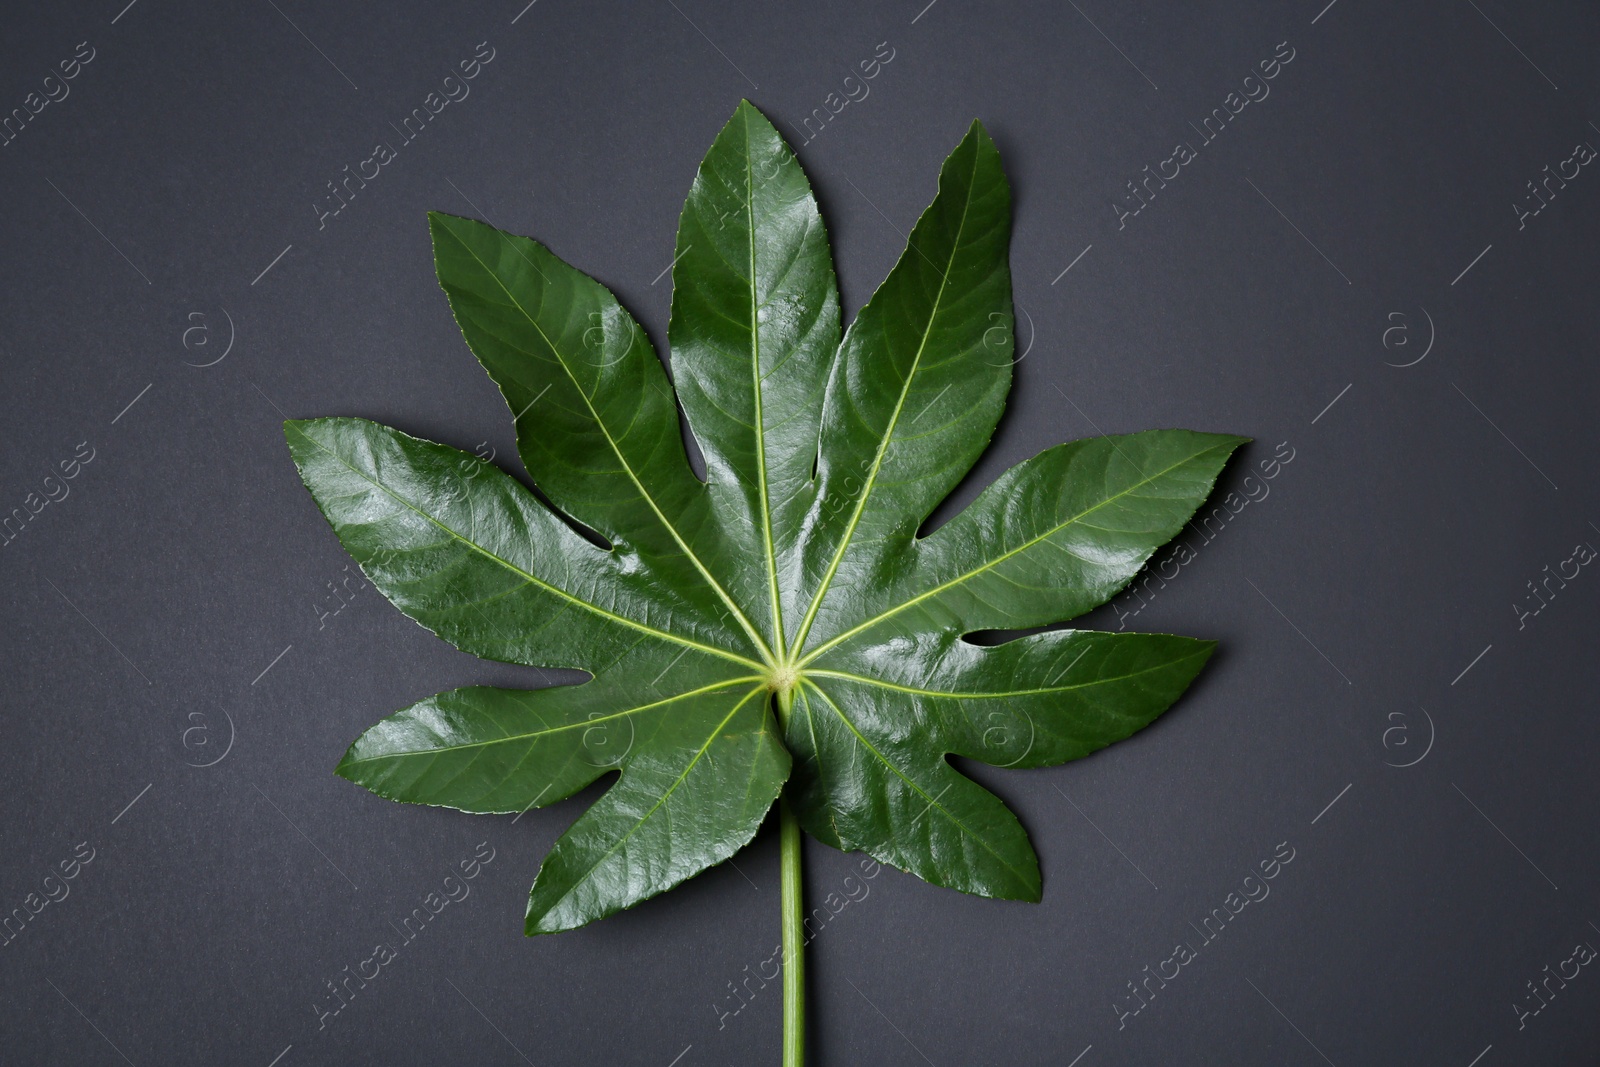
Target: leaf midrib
column 666, row 794
column 894, row 418
column 548, row 731
column 933, row 802
column 1046, row 535
column 627, row 467
column 756, row 384
column 944, row 694
column 530, row 578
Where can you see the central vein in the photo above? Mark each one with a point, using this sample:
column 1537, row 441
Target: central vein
column 627, row 467
column 765, row 498
column 894, row 419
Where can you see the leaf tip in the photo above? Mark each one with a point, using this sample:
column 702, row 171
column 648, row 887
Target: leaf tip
column 748, row 113
column 442, row 222
column 536, row 923
column 1030, row 891
column 1227, row 443
column 295, row 435
column 345, row 768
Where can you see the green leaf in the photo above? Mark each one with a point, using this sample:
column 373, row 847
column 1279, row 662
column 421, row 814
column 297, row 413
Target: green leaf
column 871, row 730
column 462, row 548
column 596, row 423
column 791, row 583
column 666, row 819
column 919, row 382
column 755, row 323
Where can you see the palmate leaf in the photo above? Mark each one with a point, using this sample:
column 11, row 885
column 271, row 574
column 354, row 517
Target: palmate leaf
column 780, row 625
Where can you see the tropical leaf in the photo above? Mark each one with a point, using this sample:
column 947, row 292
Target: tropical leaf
column 779, row 626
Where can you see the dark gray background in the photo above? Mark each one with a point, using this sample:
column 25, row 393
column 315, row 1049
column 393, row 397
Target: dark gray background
column 143, row 609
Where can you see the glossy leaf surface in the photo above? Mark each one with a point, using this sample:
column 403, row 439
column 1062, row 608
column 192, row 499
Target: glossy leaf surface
column 791, row 582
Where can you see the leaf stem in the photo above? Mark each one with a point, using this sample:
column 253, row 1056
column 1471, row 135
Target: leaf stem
column 794, row 967
column 791, row 878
